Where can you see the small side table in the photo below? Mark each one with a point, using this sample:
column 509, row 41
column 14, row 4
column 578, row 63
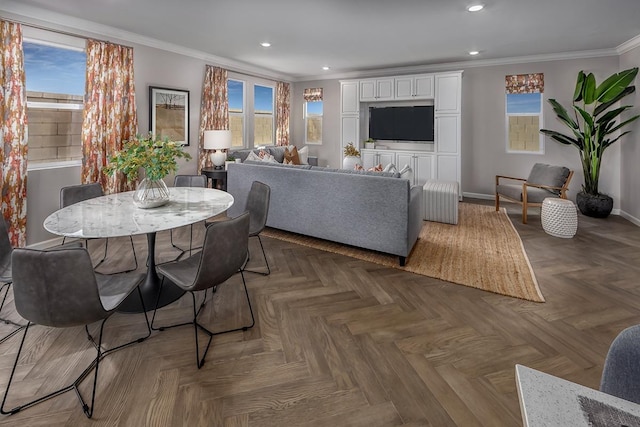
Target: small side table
column 559, row 217
column 218, row 177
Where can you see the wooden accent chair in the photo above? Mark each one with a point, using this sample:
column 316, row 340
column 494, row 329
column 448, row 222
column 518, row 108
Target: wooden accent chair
column 543, row 181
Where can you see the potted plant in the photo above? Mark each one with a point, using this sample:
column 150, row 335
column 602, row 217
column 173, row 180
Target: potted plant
column 351, row 156
column 593, row 129
column 157, row 157
column 230, row 159
column 370, row 143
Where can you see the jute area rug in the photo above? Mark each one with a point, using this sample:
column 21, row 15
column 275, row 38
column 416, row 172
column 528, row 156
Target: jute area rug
column 482, row 251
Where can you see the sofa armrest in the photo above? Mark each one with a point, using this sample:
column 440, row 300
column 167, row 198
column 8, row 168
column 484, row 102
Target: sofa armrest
column 415, row 216
column 312, row 160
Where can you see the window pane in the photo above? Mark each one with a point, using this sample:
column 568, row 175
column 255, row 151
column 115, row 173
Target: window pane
column 313, row 122
column 236, row 124
column 236, row 96
column 524, row 116
column 54, row 76
column 54, row 69
column 519, row 103
column 263, row 118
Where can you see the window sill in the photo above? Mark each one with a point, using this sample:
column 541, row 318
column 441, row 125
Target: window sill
column 53, row 165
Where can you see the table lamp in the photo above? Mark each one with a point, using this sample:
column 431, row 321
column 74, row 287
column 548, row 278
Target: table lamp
column 218, row 141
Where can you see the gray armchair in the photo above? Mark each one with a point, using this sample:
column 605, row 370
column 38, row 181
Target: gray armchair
column 543, row 181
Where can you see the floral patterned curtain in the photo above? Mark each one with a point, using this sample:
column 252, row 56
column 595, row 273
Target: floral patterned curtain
column 283, row 111
column 13, row 128
column 109, row 116
column 214, row 107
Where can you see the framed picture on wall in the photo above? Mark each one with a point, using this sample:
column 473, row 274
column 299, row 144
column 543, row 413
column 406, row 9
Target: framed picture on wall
column 169, row 114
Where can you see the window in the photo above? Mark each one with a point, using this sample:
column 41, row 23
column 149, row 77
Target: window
column 55, row 80
column 313, row 122
column 236, row 112
column 263, row 123
column 313, row 115
column 524, row 113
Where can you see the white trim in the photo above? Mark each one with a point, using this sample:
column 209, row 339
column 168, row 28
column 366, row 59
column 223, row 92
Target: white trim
column 628, row 45
column 479, row 196
column 632, row 219
column 55, row 105
column 32, row 166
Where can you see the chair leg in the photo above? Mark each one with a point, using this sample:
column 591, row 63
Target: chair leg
column 497, row 202
column 183, row 251
column 196, row 325
column 7, row 286
column 106, row 245
column 524, row 213
column 264, row 255
column 88, row 411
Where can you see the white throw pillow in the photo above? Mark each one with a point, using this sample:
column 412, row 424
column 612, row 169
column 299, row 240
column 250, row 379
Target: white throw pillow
column 390, row 168
column 303, row 154
column 253, row 156
column 406, row 172
column 268, row 158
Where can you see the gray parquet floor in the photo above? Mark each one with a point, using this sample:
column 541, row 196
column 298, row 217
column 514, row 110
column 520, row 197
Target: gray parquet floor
column 343, row 342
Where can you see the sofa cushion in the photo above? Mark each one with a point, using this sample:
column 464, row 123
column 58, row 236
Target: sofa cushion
column 277, row 152
column 553, row 176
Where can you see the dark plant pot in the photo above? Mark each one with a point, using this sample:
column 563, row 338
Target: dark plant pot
column 596, row 206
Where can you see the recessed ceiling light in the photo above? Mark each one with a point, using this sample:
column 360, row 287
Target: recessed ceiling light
column 475, row 8
column 265, row 44
column 325, row 68
column 474, row 52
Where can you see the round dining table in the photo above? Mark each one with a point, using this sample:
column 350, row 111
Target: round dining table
column 115, row 215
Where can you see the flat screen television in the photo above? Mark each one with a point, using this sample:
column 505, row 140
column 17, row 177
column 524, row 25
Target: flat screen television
column 401, row 123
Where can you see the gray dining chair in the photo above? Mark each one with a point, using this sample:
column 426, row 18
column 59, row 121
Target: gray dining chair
column 60, row 289
column 199, row 181
column 223, row 253
column 5, row 276
column 72, row 194
column 258, row 207
column 621, row 373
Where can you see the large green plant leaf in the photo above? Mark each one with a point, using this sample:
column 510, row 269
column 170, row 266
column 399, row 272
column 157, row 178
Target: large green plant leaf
column 585, row 116
column 611, row 115
column 605, row 106
column 615, row 85
column 563, row 115
column 577, row 93
column 626, row 122
column 589, row 89
column 562, row 138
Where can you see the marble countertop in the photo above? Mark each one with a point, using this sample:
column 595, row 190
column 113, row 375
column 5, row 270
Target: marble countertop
column 115, row 215
column 549, row 401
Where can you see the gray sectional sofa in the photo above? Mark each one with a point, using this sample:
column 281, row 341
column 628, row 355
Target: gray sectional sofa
column 366, row 210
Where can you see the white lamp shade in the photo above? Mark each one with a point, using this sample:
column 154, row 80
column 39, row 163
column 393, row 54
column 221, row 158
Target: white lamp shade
column 217, row 139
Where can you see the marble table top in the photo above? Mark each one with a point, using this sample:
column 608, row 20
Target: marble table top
column 549, row 401
column 115, row 215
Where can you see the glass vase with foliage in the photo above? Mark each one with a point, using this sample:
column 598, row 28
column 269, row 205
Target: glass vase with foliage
column 157, row 158
column 592, row 121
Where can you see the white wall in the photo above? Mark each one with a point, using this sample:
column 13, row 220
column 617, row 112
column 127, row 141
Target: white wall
column 630, row 172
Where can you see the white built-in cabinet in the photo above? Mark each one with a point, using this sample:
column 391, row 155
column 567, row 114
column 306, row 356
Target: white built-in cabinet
column 443, row 162
column 376, row 90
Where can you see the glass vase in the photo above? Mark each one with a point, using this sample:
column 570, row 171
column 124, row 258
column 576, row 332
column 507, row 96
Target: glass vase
column 151, row 194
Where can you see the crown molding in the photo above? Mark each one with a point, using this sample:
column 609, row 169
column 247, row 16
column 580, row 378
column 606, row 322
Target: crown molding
column 430, row 68
column 628, row 45
column 43, row 19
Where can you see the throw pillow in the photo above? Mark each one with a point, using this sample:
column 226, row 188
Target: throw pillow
column 253, row 156
column 291, row 154
column 287, row 162
column 376, row 168
column 358, row 167
column 406, row 172
column 303, row 153
column 390, row 168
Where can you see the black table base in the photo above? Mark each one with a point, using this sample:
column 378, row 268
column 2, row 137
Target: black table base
column 151, row 286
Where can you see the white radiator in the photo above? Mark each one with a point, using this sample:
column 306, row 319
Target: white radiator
column 441, row 201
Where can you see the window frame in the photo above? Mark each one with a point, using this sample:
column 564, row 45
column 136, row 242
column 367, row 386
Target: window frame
column 273, row 113
column 242, row 114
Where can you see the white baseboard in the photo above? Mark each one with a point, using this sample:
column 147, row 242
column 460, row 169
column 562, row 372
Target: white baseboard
column 629, row 218
column 479, row 196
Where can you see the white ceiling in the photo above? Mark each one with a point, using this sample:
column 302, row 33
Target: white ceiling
column 352, row 35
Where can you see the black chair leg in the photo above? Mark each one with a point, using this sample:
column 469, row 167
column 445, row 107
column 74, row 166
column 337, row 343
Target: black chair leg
column 6, row 287
column 196, row 325
column 264, row 255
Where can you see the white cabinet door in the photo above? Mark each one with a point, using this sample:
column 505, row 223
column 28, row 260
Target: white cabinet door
column 423, row 87
column 350, row 129
column 349, row 97
column 424, row 169
column 384, row 89
column 386, row 157
column 448, row 87
column 403, row 159
column 447, row 134
column 404, row 87
column 369, row 159
column 448, row 168
column 367, row 90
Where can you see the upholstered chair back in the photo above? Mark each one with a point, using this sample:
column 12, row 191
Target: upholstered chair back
column 78, row 193
column 553, row 176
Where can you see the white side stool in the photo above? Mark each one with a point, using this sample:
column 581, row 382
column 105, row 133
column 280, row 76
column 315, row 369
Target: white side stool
column 559, row 217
